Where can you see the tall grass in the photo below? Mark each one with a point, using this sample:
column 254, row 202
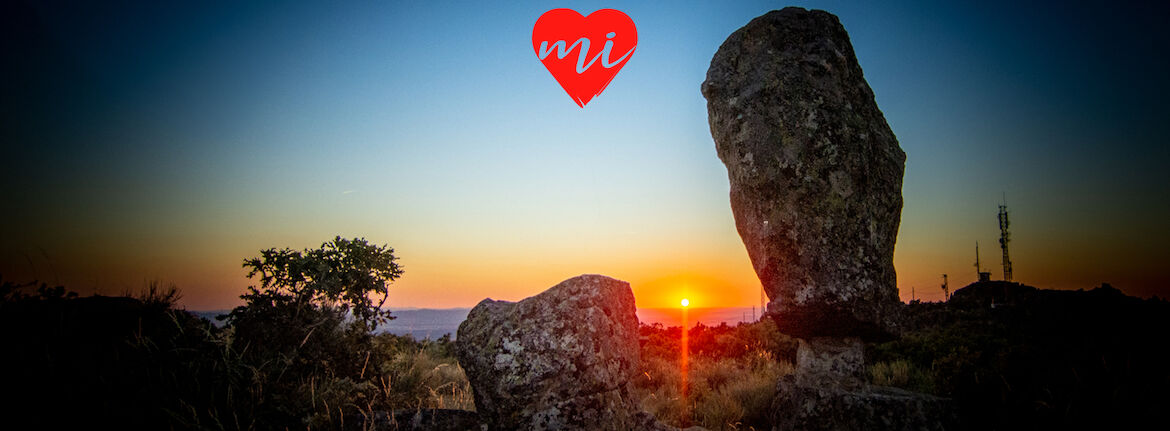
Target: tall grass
column 425, row 379
column 730, row 384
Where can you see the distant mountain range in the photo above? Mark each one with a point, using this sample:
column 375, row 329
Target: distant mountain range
column 434, row 323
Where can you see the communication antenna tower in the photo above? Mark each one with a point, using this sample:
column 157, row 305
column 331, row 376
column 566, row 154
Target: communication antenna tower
column 1004, row 238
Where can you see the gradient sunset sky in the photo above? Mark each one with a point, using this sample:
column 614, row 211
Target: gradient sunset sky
column 144, row 141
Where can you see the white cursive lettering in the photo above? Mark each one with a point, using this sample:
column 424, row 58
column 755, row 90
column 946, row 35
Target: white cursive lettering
column 562, row 52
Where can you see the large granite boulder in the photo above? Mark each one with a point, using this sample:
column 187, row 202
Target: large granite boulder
column 815, row 173
column 563, row 359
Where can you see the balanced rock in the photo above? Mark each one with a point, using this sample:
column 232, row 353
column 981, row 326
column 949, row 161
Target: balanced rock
column 816, row 190
column 815, row 172
column 563, row 359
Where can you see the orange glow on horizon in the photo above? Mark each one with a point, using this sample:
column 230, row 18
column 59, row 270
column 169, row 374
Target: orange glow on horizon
column 658, row 287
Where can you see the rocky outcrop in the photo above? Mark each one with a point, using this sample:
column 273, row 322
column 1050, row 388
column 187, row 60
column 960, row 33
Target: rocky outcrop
column 563, row 359
column 815, row 172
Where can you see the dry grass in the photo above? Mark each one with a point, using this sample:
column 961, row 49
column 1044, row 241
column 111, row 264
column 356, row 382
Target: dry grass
column 723, row 393
column 434, row 382
column 418, row 377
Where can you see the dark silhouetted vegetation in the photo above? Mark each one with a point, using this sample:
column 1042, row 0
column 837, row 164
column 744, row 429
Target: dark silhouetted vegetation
column 299, row 354
column 1017, row 357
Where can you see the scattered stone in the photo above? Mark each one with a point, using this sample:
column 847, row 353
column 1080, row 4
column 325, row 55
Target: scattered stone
column 429, row 420
column 560, row 360
column 815, row 173
column 646, row 422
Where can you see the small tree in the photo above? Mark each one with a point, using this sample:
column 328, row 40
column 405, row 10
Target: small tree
column 341, row 275
column 314, row 310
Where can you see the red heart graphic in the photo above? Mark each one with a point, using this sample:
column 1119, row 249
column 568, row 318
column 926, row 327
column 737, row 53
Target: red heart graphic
column 584, row 53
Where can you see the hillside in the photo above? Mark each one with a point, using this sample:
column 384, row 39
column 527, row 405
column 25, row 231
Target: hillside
column 1012, row 355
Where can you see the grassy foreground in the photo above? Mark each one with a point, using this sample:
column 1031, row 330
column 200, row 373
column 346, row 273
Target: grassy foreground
column 1049, row 359
column 137, row 361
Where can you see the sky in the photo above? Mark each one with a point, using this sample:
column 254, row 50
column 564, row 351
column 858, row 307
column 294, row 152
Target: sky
column 154, row 141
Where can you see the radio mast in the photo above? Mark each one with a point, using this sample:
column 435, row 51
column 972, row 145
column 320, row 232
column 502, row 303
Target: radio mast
column 1004, row 237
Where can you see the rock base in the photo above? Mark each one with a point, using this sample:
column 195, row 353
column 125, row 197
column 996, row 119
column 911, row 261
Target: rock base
column 830, row 361
column 828, row 392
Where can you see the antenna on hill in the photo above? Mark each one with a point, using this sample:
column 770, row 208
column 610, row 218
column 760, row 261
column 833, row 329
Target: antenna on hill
column 983, row 276
column 946, row 287
column 1004, row 237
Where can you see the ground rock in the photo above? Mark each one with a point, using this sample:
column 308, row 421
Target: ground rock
column 428, row 420
column 815, row 173
column 803, row 407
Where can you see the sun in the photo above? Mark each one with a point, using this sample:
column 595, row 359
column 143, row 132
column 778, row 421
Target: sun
column 686, row 302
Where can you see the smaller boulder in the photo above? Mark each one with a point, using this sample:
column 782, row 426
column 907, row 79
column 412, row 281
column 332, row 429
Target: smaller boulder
column 563, row 359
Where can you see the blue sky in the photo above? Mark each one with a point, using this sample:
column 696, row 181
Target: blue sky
column 170, row 142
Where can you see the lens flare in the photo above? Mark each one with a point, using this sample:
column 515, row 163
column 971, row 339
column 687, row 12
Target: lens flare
column 684, row 366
